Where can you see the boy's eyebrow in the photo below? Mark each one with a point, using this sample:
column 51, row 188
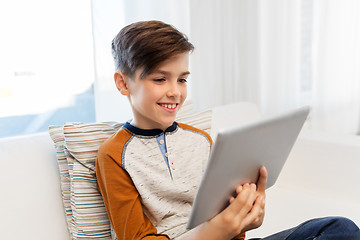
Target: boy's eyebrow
column 185, row 73
column 167, row 73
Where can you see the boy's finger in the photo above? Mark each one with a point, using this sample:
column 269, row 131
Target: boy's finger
column 261, row 183
column 256, row 215
column 244, row 201
column 239, row 189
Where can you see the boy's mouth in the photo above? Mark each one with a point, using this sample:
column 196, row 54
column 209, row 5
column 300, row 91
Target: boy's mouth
column 168, row 105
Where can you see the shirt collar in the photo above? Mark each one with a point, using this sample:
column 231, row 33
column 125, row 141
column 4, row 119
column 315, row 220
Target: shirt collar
column 149, row 132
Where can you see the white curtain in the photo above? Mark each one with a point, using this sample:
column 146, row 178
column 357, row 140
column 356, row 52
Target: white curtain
column 279, row 54
column 246, row 51
column 336, row 86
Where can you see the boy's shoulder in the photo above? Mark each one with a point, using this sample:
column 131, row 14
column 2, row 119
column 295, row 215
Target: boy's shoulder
column 196, row 130
column 116, row 142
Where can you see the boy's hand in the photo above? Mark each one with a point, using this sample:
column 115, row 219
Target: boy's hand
column 244, row 213
column 257, row 213
column 258, row 210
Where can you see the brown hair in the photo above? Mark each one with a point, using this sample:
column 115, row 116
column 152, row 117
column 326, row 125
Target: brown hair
column 146, row 45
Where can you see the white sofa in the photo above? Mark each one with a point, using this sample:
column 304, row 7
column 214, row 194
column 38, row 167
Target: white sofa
column 31, row 202
column 320, row 178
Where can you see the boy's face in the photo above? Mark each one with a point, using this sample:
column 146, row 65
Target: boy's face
column 156, row 99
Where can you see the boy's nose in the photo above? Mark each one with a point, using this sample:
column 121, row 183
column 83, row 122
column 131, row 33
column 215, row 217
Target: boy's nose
column 173, row 91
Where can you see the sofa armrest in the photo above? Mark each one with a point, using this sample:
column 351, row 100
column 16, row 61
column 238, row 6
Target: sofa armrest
column 30, row 184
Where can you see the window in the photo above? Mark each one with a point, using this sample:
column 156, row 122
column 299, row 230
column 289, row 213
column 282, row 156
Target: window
column 47, row 73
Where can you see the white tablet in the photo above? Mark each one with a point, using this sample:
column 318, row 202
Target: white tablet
column 237, row 155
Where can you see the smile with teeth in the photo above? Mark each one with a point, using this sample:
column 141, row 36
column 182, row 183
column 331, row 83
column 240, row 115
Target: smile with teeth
column 168, row 105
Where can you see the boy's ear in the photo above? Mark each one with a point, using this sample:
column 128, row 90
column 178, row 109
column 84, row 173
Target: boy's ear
column 120, row 82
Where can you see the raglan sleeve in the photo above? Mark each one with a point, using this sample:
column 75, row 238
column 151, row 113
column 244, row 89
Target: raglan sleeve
column 240, row 237
column 122, row 200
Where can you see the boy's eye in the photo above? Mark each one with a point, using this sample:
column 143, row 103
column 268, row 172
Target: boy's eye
column 183, row 80
column 159, row 79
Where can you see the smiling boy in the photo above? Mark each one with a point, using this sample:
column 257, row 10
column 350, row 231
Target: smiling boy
column 149, row 171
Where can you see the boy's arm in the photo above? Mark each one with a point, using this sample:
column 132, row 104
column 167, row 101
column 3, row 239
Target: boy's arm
column 122, row 201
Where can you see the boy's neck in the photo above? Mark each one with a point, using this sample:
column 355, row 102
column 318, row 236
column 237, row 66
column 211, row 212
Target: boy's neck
column 133, row 123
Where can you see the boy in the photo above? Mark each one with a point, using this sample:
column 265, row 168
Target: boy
column 149, row 171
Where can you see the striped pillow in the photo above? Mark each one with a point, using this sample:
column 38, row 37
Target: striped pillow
column 82, row 140
column 200, row 120
column 57, row 135
column 76, row 148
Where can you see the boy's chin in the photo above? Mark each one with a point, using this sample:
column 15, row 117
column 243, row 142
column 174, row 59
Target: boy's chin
column 167, row 124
